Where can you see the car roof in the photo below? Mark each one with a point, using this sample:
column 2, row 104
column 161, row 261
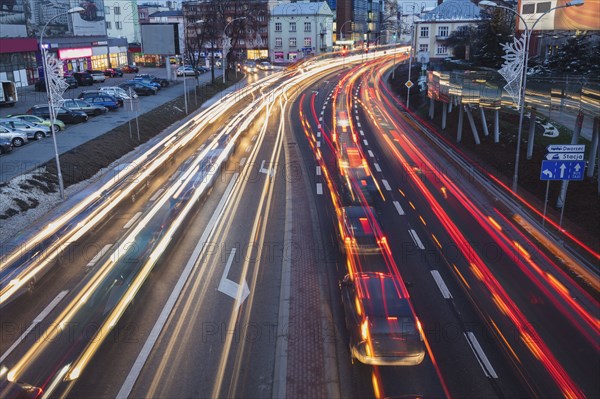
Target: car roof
column 381, row 295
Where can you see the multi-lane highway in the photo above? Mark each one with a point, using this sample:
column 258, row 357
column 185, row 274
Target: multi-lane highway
column 191, row 273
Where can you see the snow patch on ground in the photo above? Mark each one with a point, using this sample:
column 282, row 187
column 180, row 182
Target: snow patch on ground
column 12, row 192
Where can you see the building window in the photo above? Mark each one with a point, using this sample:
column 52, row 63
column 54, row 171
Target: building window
column 142, row 15
column 277, row 26
column 424, row 31
column 292, row 27
column 442, row 50
column 529, row 8
column 307, row 42
column 307, row 27
column 118, row 25
column 107, row 11
column 117, row 10
column 261, row 18
column 443, row 31
column 543, row 7
column 292, row 42
column 423, row 48
column 108, row 26
column 278, row 42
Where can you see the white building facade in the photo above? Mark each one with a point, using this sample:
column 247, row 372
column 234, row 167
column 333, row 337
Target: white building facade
column 122, row 19
column 433, row 29
column 298, row 30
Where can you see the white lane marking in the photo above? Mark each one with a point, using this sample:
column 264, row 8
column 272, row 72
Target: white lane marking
column 441, row 285
column 254, row 137
column 358, row 124
column 319, row 189
column 136, row 369
column 377, row 167
column 239, row 292
column 100, row 254
column 322, row 112
column 248, row 148
column 480, row 355
column 242, row 161
column 386, row 184
column 156, row 195
column 318, row 171
column 356, row 110
column 399, row 208
column 319, row 126
column 371, row 154
column 35, row 322
column 416, row 239
column 365, row 142
column 362, row 133
column 132, row 220
column 319, row 133
column 318, row 144
column 320, row 119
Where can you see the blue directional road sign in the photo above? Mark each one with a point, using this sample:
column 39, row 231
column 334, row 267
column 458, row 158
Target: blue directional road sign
column 562, row 170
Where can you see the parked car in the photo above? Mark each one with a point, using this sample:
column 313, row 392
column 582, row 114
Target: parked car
column 83, row 78
column 97, row 75
column 32, row 131
column 383, row 328
column 17, row 139
column 65, row 115
column 147, row 82
column 162, row 82
column 187, row 70
column 40, row 84
column 202, row 69
column 118, row 92
column 265, row 66
column 129, row 69
column 5, row 146
column 139, row 88
column 88, row 108
column 113, row 72
column 58, row 124
column 100, row 98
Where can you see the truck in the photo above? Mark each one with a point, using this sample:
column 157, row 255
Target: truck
column 8, row 93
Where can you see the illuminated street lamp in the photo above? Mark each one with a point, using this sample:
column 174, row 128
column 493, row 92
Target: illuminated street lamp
column 524, row 41
column 50, row 88
column 224, row 41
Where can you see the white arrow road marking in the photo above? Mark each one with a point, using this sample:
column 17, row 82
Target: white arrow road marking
column 264, row 170
column 480, row 355
column 35, row 322
column 416, row 239
column 441, row 285
column 230, row 288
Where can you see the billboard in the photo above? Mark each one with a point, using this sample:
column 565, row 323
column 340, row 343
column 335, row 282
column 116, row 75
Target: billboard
column 26, row 18
column 162, row 39
column 585, row 17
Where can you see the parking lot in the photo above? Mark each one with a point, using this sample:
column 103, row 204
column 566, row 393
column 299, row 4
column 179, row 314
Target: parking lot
column 36, row 152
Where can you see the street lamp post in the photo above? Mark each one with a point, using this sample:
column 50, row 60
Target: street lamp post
column 527, row 35
column 224, row 40
column 49, row 91
column 185, row 92
column 341, row 31
column 412, row 50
